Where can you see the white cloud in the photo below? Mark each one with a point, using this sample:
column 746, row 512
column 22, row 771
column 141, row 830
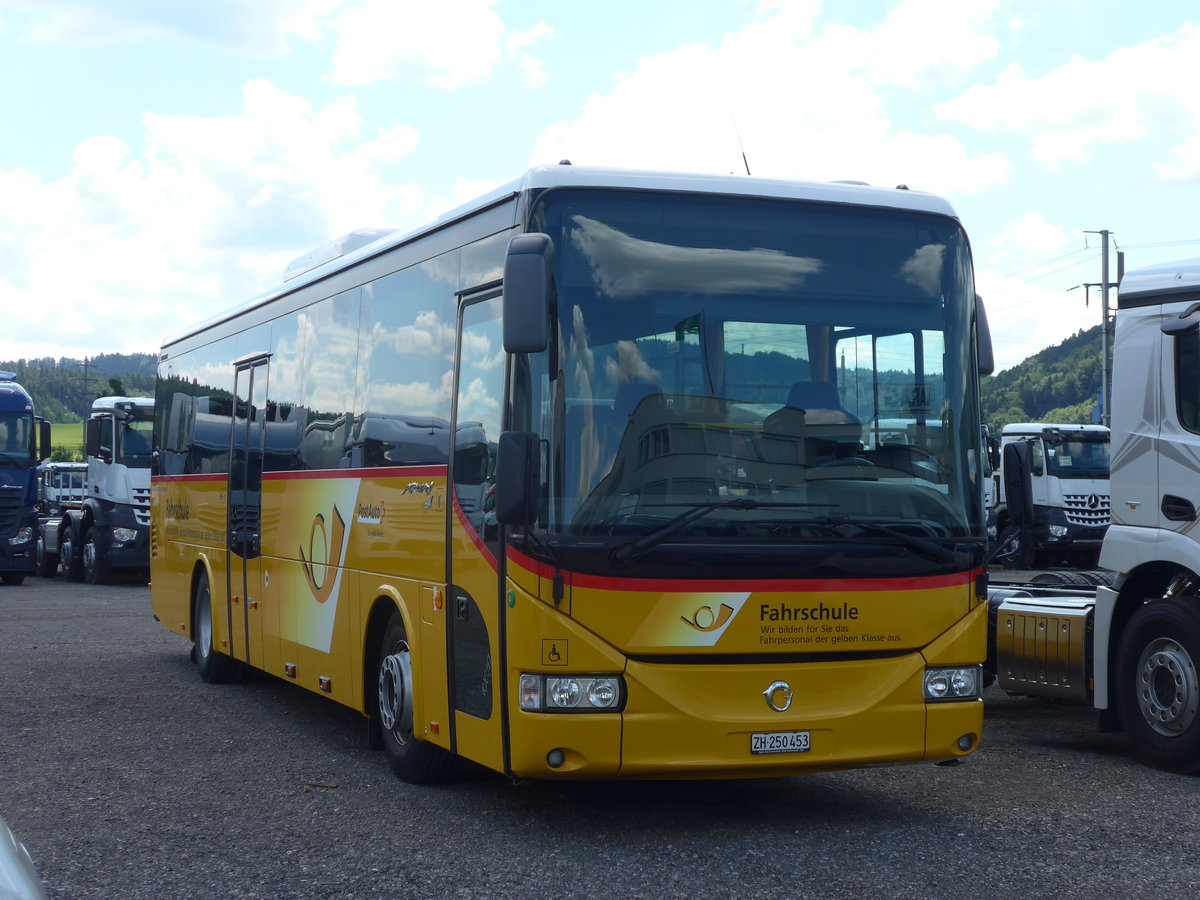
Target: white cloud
column 805, row 105
column 1029, row 237
column 207, row 214
column 1146, row 89
column 447, row 44
column 260, row 26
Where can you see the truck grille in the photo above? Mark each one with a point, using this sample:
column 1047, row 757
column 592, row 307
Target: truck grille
column 10, row 508
column 141, row 505
column 1086, row 509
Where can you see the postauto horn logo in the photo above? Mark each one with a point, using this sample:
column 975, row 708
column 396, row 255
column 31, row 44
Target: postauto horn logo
column 704, row 619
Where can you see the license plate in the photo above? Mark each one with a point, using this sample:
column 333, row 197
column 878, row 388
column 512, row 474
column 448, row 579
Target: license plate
column 779, row 742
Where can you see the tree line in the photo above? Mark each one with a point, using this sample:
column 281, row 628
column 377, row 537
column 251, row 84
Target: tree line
column 1058, row 384
column 63, row 389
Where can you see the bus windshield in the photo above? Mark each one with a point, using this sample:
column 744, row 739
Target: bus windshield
column 740, row 372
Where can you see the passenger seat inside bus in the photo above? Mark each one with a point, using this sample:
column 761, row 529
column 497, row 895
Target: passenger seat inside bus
column 813, row 415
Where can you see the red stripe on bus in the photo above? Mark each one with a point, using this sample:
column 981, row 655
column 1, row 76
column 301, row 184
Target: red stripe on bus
column 475, row 538
column 382, row 472
column 768, row 585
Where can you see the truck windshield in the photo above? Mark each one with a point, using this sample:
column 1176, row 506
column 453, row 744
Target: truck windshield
column 1079, row 458
column 16, row 438
column 136, row 445
column 813, row 360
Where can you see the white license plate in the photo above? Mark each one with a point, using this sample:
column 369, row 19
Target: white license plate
column 779, row 742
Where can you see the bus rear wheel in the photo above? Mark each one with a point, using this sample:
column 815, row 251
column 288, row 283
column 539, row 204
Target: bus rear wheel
column 214, row 667
column 1158, row 684
column 413, row 760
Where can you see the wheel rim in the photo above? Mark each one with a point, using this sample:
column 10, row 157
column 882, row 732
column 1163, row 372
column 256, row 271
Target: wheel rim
column 396, row 693
column 203, row 621
column 1168, row 688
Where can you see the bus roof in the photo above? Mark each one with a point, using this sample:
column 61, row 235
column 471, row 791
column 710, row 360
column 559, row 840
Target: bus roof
column 366, row 243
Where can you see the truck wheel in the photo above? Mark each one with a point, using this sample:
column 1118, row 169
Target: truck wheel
column 96, row 567
column 13, row 578
column 412, row 759
column 214, row 667
column 72, row 559
column 1158, row 684
column 45, row 564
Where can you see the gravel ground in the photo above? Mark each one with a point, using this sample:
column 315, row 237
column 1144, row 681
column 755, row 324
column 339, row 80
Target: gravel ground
column 127, row 777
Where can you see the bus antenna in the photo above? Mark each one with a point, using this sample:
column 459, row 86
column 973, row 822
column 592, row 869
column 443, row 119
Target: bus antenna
column 738, row 132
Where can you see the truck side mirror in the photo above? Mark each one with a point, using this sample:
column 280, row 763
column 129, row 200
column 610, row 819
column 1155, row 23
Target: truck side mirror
column 91, row 437
column 518, row 477
column 983, row 339
column 1018, row 488
column 43, row 441
column 528, row 282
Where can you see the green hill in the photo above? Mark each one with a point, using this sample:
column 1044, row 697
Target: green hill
column 63, row 389
column 1059, row 384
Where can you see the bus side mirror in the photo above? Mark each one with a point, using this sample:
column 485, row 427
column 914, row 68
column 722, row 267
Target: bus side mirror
column 1018, row 489
column 528, row 280
column 983, row 339
column 43, row 446
column 518, row 477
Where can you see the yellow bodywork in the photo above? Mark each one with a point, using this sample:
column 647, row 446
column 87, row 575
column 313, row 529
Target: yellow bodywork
column 696, row 658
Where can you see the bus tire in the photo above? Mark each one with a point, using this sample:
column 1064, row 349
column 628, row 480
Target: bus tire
column 214, row 667
column 412, row 759
column 45, row 564
column 1158, row 684
column 72, row 557
column 96, row 568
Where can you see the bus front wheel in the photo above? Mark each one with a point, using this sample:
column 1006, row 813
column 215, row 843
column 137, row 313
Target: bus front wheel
column 413, row 760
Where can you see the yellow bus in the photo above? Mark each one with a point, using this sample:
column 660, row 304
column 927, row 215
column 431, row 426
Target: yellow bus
column 585, row 480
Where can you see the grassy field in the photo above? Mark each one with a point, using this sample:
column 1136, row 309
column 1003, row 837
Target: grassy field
column 69, row 436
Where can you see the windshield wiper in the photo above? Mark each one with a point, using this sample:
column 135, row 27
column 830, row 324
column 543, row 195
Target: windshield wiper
column 925, row 547
column 627, row 553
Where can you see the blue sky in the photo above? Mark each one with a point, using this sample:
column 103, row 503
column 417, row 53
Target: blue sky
column 162, row 160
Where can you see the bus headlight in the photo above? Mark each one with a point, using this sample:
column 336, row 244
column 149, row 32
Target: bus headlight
column 957, row 683
column 571, row 693
column 23, row 536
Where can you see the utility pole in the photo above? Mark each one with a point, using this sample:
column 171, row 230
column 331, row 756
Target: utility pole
column 1105, row 379
column 87, row 397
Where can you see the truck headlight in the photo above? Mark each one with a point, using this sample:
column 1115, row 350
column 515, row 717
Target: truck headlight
column 124, row 535
column 571, row 693
column 23, row 536
column 1058, row 531
column 954, row 683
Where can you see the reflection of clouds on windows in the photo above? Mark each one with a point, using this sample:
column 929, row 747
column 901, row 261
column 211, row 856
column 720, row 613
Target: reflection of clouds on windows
column 923, row 270
column 328, row 381
column 416, row 398
column 477, row 404
column 629, row 366
column 624, row 266
column 426, row 336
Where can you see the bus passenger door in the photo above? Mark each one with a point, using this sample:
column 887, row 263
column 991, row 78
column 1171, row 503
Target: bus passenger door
column 474, row 607
column 245, row 512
